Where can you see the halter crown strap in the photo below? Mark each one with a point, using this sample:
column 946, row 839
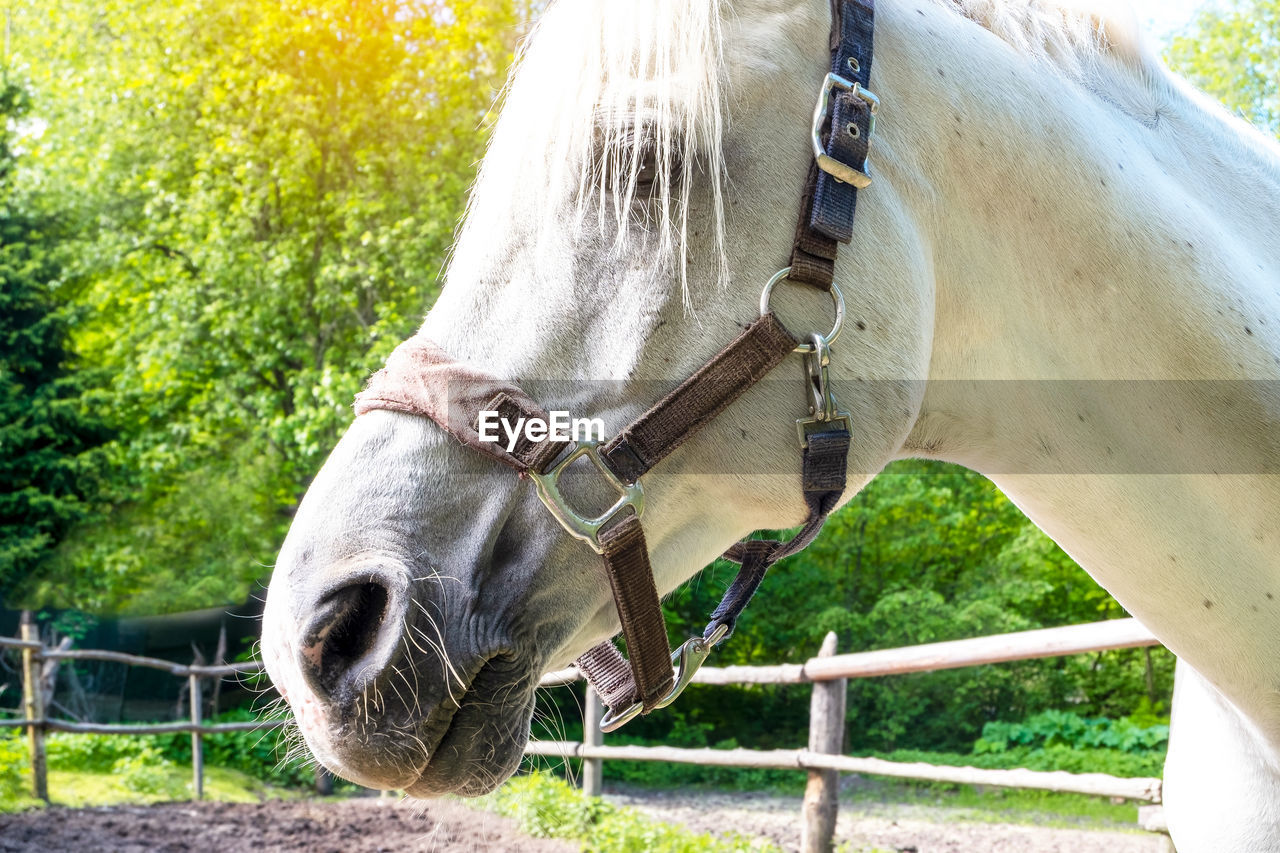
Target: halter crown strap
column 828, row 204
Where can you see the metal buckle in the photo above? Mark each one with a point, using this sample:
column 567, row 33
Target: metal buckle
column 687, row 660
column 842, row 172
column 823, row 408
column 580, row 527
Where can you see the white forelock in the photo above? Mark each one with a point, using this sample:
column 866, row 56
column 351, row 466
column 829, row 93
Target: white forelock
column 636, row 97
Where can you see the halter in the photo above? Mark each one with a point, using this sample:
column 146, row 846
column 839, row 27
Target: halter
column 422, row 379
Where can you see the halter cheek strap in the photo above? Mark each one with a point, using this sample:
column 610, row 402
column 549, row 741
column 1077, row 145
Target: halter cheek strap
column 422, row 379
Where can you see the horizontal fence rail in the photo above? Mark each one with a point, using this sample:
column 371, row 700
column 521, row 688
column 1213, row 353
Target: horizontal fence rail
column 1000, row 648
column 953, row 654
column 146, row 728
column 821, row 765
column 1099, row 784
column 178, row 669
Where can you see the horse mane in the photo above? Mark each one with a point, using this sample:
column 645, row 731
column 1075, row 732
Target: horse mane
column 1070, row 36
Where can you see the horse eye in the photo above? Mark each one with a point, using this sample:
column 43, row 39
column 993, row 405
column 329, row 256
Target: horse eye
column 634, row 156
column 646, row 170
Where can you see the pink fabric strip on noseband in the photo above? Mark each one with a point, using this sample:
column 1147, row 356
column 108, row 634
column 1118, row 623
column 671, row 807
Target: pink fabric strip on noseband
column 420, row 378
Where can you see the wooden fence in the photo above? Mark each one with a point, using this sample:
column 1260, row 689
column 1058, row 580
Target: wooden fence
column 822, row 760
column 37, row 722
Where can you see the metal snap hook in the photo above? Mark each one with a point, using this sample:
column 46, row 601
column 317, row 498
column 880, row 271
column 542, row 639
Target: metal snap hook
column 687, row 660
column 822, row 404
column 824, row 411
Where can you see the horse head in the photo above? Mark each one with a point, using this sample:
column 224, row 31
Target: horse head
column 640, row 188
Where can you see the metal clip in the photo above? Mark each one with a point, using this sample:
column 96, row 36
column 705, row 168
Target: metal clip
column 823, row 408
column 687, row 660
column 841, row 171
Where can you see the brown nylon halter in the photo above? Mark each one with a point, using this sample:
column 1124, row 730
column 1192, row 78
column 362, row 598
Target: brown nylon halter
column 422, row 379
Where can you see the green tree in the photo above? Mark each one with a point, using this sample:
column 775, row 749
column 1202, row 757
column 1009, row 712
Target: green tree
column 47, row 428
column 266, row 193
column 927, row 552
column 1232, row 51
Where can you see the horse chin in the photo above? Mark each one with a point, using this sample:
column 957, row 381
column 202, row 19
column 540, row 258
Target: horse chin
column 469, row 750
column 484, row 742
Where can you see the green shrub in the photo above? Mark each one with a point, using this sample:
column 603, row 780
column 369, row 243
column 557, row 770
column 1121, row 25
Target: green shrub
column 95, row 753
column 546, row 807
column 147, row 772
column 1063, row 728
column 13, row 765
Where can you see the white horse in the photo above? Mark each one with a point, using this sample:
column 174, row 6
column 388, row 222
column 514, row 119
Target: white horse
column 1049, row 204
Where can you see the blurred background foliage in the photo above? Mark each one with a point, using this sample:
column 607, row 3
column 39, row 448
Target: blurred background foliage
column 257, row 201
column 218, row 216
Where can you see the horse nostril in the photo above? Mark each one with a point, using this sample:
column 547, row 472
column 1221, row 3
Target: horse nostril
column 341, row 634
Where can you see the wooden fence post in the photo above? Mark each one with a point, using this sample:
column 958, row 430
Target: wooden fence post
column 592, row 768
column 826, row 735
column 324, row 781
column 33, row 707
column 197, row 739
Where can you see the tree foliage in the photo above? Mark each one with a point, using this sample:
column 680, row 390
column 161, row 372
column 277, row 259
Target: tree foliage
column 48, row 429
column 1233, row 53
column 926, row 552
column 264, row 194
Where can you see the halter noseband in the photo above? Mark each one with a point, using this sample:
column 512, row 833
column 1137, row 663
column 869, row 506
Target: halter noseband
column 422, row 379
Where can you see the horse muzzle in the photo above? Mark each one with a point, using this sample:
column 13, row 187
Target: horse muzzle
column 386, row 695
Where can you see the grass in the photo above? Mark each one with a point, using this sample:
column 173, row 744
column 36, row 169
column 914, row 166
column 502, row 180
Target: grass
column 990, row 805
column 546, row 807
column 79, row 788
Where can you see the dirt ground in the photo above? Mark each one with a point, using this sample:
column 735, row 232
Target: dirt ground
column 351, row 826
column 865, row 826
column 371, row 824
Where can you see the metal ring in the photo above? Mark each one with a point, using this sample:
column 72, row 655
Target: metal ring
column 836, row 296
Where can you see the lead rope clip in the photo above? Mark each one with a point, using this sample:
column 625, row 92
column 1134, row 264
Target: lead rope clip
column 824, row 411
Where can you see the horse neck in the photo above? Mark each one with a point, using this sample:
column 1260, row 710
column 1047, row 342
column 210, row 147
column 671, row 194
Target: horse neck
column 1114, row 248
column 1117, row 229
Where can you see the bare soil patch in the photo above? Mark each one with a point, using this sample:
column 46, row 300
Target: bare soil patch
column 316, row 826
